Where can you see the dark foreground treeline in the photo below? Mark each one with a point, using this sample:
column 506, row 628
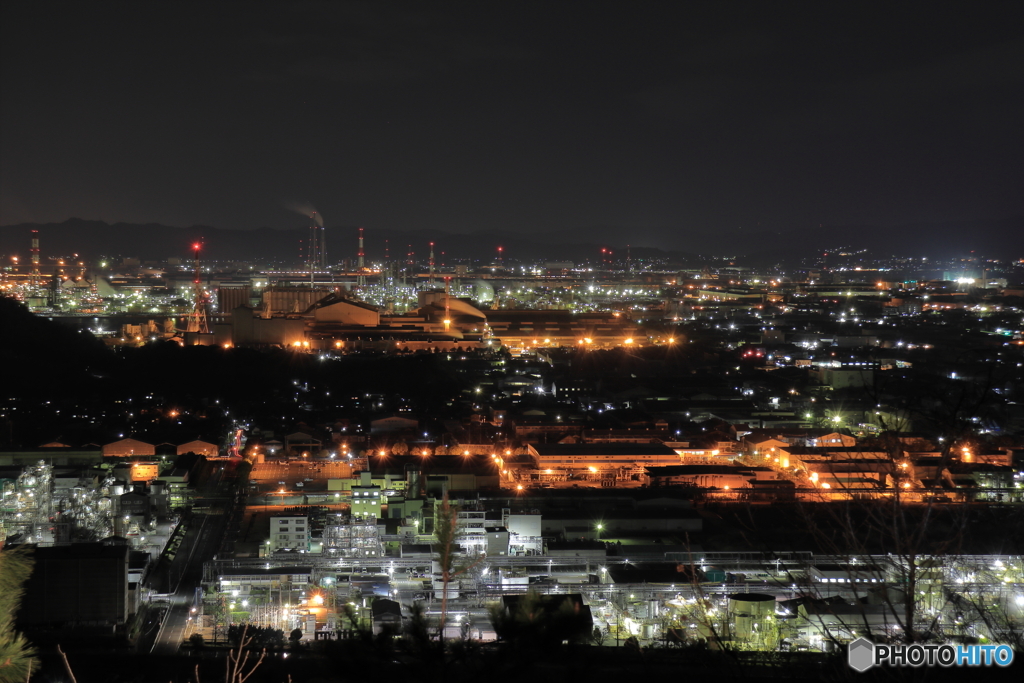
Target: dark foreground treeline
column 359, row 662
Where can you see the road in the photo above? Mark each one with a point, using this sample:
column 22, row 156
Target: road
column 172, row 630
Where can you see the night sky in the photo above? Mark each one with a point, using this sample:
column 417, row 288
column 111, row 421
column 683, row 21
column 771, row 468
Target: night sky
column 656, row 118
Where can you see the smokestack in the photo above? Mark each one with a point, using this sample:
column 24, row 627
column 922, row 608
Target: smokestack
column 35, row 256
column 361, row 254
column 431, row 264
column 317, row 250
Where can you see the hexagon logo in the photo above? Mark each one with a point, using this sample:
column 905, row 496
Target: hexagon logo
column 861, row 655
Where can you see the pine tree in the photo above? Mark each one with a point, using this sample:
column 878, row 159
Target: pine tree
column 16, row 653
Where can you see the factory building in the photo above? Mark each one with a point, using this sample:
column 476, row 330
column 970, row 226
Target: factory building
column 607, row 462
column 126, row 448
column 78, row 584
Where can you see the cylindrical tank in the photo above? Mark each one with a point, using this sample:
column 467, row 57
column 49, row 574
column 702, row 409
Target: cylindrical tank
column 749, row 610
column 647, row 631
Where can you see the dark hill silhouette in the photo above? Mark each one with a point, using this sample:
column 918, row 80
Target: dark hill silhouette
column 1003, row 238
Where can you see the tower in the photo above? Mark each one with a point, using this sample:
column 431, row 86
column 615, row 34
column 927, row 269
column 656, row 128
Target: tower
column 388, row 276
column 361, row 278
column 361, row 253
column 197, row 320
column 431, row 264
column 35, row 258
column 317, row 250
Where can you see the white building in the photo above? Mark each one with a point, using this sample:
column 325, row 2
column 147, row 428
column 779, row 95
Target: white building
column 366, row 498
column 525, row 535
column 291, row 531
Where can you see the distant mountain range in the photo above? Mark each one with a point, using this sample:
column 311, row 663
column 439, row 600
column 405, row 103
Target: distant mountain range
column 92, row 239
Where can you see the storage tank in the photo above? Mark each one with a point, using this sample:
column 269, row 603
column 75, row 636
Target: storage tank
column 749, row 610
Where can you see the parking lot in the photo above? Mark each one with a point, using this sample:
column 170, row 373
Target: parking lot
column 297, row 476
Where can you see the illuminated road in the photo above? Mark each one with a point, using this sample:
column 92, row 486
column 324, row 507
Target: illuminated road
column 210, row 535
column 173, row 629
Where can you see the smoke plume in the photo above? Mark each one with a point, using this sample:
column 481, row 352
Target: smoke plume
column 306, row 209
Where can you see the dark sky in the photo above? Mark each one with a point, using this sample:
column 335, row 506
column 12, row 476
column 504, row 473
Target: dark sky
column 659, row 118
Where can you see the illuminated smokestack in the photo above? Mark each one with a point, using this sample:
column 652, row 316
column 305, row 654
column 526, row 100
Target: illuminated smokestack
column 431, row 264
column 35, row 256
column 361, row 253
